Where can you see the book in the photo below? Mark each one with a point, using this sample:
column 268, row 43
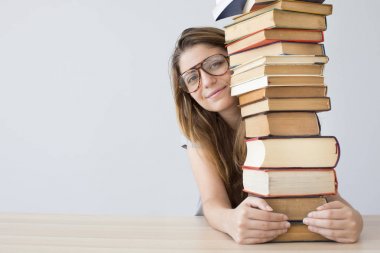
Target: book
column 275, row 81
column 289, row 182
column 280, row 60
column 269, row 36
column 286, row 104
column 274, row 19
column 227, row 8
column 252, row 5
column 298, row 232
column 278, row 48
column 277, row 70
column 282, row 124
column 289, row 5
column 295, row 208
column 282, row 92
column 292, row 152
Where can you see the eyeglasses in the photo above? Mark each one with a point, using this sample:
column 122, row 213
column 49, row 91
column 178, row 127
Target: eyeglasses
column 215, row 65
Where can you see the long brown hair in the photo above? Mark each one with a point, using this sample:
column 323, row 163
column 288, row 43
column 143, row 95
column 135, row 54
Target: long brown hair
column 224, row 146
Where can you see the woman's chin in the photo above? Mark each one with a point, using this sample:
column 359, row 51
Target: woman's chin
column 221, row 104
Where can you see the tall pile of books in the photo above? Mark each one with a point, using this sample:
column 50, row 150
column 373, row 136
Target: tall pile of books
column 278, row 60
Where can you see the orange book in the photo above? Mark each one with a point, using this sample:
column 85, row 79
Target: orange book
column 268, row 36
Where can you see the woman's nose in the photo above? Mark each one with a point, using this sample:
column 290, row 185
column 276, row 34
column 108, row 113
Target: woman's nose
column 206, row 79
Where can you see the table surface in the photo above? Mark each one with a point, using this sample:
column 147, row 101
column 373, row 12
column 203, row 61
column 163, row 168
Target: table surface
column 52, row 233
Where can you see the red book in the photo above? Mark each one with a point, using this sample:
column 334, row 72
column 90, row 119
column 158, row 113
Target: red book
column 268, row 36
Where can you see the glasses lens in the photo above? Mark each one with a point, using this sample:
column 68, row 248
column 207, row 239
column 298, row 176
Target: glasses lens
column 216, row 65
column 190, row 80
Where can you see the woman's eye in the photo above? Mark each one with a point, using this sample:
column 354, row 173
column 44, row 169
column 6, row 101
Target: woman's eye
column 191, row 79
column 216, row 64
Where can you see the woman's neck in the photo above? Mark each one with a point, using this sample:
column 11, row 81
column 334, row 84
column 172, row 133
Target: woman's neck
column 231, row 116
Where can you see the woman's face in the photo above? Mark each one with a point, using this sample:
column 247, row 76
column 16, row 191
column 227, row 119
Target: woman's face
column 214, row 91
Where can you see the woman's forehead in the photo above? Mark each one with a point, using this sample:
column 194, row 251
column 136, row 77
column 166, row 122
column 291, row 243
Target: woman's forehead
column 196, row 54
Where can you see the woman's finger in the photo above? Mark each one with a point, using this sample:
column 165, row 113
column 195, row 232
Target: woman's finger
column 259, row 236
column 336, row 214
column 331, row 205
column 338, row 235
column 326, row 223
column 266, row 225
column 256, row 214
column 258, row 203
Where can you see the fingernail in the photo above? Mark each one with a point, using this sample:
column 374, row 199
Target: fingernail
column 305, row 221
column 310, row 214
column 286, row 217
column 287, row 224
column 269, row 208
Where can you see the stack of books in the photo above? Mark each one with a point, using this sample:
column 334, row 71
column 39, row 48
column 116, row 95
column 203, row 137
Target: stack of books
column 278, row 61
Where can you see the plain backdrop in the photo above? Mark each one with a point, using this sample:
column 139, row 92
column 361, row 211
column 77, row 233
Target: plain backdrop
column 87, row 119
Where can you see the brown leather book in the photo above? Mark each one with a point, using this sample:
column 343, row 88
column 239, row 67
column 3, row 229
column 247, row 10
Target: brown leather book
column 298, row 232
column 282, row 124
column 295, row 208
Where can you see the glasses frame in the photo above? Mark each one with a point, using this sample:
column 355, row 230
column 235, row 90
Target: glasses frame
column 200, row 66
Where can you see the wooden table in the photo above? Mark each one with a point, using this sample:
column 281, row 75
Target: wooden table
column 42, row 233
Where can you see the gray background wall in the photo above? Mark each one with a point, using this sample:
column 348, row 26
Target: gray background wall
column 87, row 121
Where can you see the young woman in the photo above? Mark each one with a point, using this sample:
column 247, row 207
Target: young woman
column 210, row 119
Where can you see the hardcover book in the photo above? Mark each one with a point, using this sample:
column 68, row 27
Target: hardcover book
column 298, row 232
column 292, row 152
column 277, row 70
column 295, row 208
column 286, row 105
column 275, row 19
column 289, row 182
column 281, row 60
column 278, row 48
column 269, row 36
column 297, row 6
column 282, row 124
column 276, row 81
column 283, row 92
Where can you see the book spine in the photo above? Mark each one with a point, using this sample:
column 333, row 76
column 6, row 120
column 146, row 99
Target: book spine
column 290, row 195
column 273, row 169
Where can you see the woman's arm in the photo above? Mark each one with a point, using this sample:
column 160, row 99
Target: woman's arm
column 336, row 220
column 251, row 222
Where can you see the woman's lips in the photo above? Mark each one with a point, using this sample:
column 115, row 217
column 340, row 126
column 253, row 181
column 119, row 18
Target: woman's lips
column 215, row 92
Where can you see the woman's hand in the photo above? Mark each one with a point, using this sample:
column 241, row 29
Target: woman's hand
column 253, row 222
column 336, row 221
